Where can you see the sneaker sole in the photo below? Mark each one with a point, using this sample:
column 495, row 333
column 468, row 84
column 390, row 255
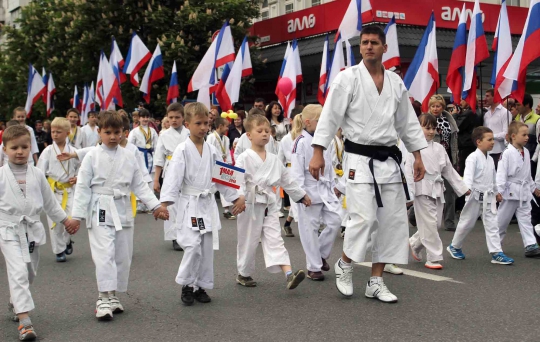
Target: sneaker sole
column 501, row 262
column 316, row 279
column 244, row 284
column 439, row 267
column 188, row 303
column 384, row 301
column 106, row 317
column 296, row 281
column 29, row 337
column 394, row 273
column 452, row 254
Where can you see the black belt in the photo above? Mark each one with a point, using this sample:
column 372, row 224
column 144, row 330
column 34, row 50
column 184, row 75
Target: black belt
column 381, row 153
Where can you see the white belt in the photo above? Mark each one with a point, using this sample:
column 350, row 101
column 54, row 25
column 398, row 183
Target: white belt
column 21, row 224
column 189, row 190
column 487, row 194
column 521, row 184
column 435, row 179
column 254, row 190
column 107, row 198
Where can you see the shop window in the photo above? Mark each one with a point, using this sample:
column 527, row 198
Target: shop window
column 315, row 2
column 265, row 4
column 289, row 8
column 264, row 15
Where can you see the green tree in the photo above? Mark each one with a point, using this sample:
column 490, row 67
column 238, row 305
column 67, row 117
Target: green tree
column 66, row 37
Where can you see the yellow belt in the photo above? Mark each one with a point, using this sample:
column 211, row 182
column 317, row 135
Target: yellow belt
column 169, row 157
column 339, row 173
column 288, row 165
column 54, row 184
column 344, row 202
column 134, row 204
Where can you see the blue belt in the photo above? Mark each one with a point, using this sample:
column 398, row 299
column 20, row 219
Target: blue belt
column 146, row 151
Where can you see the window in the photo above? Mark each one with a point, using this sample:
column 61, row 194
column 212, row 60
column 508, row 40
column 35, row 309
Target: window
column 289, row 8
column 315, row 2
column 265, row 4
column 264, row 15
column 515, row 2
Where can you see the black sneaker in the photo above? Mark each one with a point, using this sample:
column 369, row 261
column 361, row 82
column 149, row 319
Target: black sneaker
column 342, row 232
column 288, row 231
column 69, row 248
column 293, row 280
column 532, row 251
column 246, row 281
column 202, row 297
column 176, row 246
column 61, row 257
column 187, row 295
column 229, row 216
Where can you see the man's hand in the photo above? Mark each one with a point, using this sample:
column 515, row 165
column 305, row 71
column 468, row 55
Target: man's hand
column 157, row 187
column 409, row 204
column 161, row 213
column 468, row 193
column 499, row 198
column 536, row 192
column 337, row 192
column 306, row 200
column 66, row 156
column 316, row 165
column 239, row 205
column 418, row 166
column 72, row 226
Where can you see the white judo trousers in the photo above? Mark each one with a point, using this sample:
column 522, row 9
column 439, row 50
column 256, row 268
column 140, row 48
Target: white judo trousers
column 253, row 226
column 197, row 266
column 112, row 252
column 428, row 212
column 389, row 223
column 317, row 247
column 523, row 216
column 20, row 274
column 60, row 238
column 469, row 215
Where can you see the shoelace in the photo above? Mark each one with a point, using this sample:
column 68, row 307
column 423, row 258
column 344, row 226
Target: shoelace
column 384, row 290
column 346, row 276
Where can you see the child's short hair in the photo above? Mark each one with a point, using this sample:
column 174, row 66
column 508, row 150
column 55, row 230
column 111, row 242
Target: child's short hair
column 175, row 107
column 513, row 128
column 61, row 123
column 19, row 109
column 110, row 119
column 92, row 113
column 195, row 109
column 12, row 123
column 144, row 113
column 220, row 121
column 427, row 120
column 478, row 133
column 73, row 110
column 14, row 132
column 125, row 123
column 256, row 111
column 253, row 121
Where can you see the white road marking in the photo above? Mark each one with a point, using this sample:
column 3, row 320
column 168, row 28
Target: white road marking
column 417, row 274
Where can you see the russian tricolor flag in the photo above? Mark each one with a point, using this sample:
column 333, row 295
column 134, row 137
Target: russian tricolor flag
column 137, row 57
column 391, row 57
column 454, row 78
column 174, row 91
column 321, row 93
column 422, row 78
column 281, row 98
column 350, row 55
column 99, row 84
column 153, row 72
column 35, row 89
column 527, row 50
column 358, row 12
column 117, row 63
column 51, row 90
column 109, row 84
column 502, row 45
column 228, row 90
column 45, row 82
column 336, row 64
column 76, row 100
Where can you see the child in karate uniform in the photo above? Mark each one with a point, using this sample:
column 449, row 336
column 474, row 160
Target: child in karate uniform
column 76, row 137
column 188, row 184
column 428, row 194
column 90, row 130
column 107, row 176
column 325, row 205
column 62, row 176
column 167, row 143
column 24, row 194
column 515, row 185
column 245, row 144
column 479, row 176
column 220, row 141
column 3, row 155
column 260, row 221
column 19, row 115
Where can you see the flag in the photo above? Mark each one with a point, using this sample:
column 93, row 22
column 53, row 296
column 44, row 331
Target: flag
column 220, row 52
column 76, row 100
column 336, row 64
column 321, row 93
column 35, row 89
column 281, row 98
column 109, row 84
column 84, row 113
column 99, row 84
column 153, row 72
column 51, row 90
column 454, row 78
column 391, row 57
column 116, row 61
column 527, row 50
column 350, row 55
column 502, row 45
column 174, row 92
column 45, row 83
column 292, row 70
column 228, row 90
column 138, row 55
column 422, row 78
column 477, row 51
column 358, row 12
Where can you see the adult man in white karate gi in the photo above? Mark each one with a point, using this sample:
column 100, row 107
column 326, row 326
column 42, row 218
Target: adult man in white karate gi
column 372, row 107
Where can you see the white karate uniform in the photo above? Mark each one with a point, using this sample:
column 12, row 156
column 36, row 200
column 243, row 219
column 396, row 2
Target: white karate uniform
column 34, row 149
column 515, row 184
column 105, row 181
column 136, row 137
column 370, row 118
column 284, row 156
column 428, row 195
column 337, row 152
column 4, row 158
column 479, row 176
column 324, row 203
column 59, row 172
column 92, row 135
column 189, row 185
column 260, row 221
column 245, row 144
column 19, row 218
column 79, row 140
column 222, row 145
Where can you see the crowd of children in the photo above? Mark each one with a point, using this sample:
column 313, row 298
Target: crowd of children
column 96, row 175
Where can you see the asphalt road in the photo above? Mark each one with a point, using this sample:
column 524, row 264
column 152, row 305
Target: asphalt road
column 481, row 301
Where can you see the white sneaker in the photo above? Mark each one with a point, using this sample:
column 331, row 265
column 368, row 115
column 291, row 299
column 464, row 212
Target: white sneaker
column 381, row 292
column 344, row 279
column 116, row 306
column 392, row 268
column 103, row 309
column 281, row 214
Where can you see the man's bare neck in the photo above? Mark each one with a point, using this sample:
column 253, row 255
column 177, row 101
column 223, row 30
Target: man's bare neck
column 375, row 68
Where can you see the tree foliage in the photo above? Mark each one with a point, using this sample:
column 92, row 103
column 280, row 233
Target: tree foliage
column 66, row 37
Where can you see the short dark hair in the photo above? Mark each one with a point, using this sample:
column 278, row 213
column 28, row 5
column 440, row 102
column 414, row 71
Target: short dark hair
column 491, row 91
column 427, row 120
column 220, row 121
column 374, row 29
column 255, row 111
column 527, row 100
column 125, row 122
column 296, row 110
column 92, row 113
column 478, row 133
column 269, row 111
column 110, row 119
column 259, row 99
column 143, row 113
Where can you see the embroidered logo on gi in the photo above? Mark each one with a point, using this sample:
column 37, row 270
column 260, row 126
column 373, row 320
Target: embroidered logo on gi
column 31, row 245
column 194, row 222
column 101, row 215
column 351, row 174
column 481, row 198
column 201, row 223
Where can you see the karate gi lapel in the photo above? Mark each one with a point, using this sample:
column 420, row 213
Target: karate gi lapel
column 375, row 102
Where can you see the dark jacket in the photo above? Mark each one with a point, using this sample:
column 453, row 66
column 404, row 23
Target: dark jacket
column 233, row 134
column 466, row 121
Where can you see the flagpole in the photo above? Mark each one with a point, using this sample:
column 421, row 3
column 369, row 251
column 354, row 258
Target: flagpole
column 481, row 87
